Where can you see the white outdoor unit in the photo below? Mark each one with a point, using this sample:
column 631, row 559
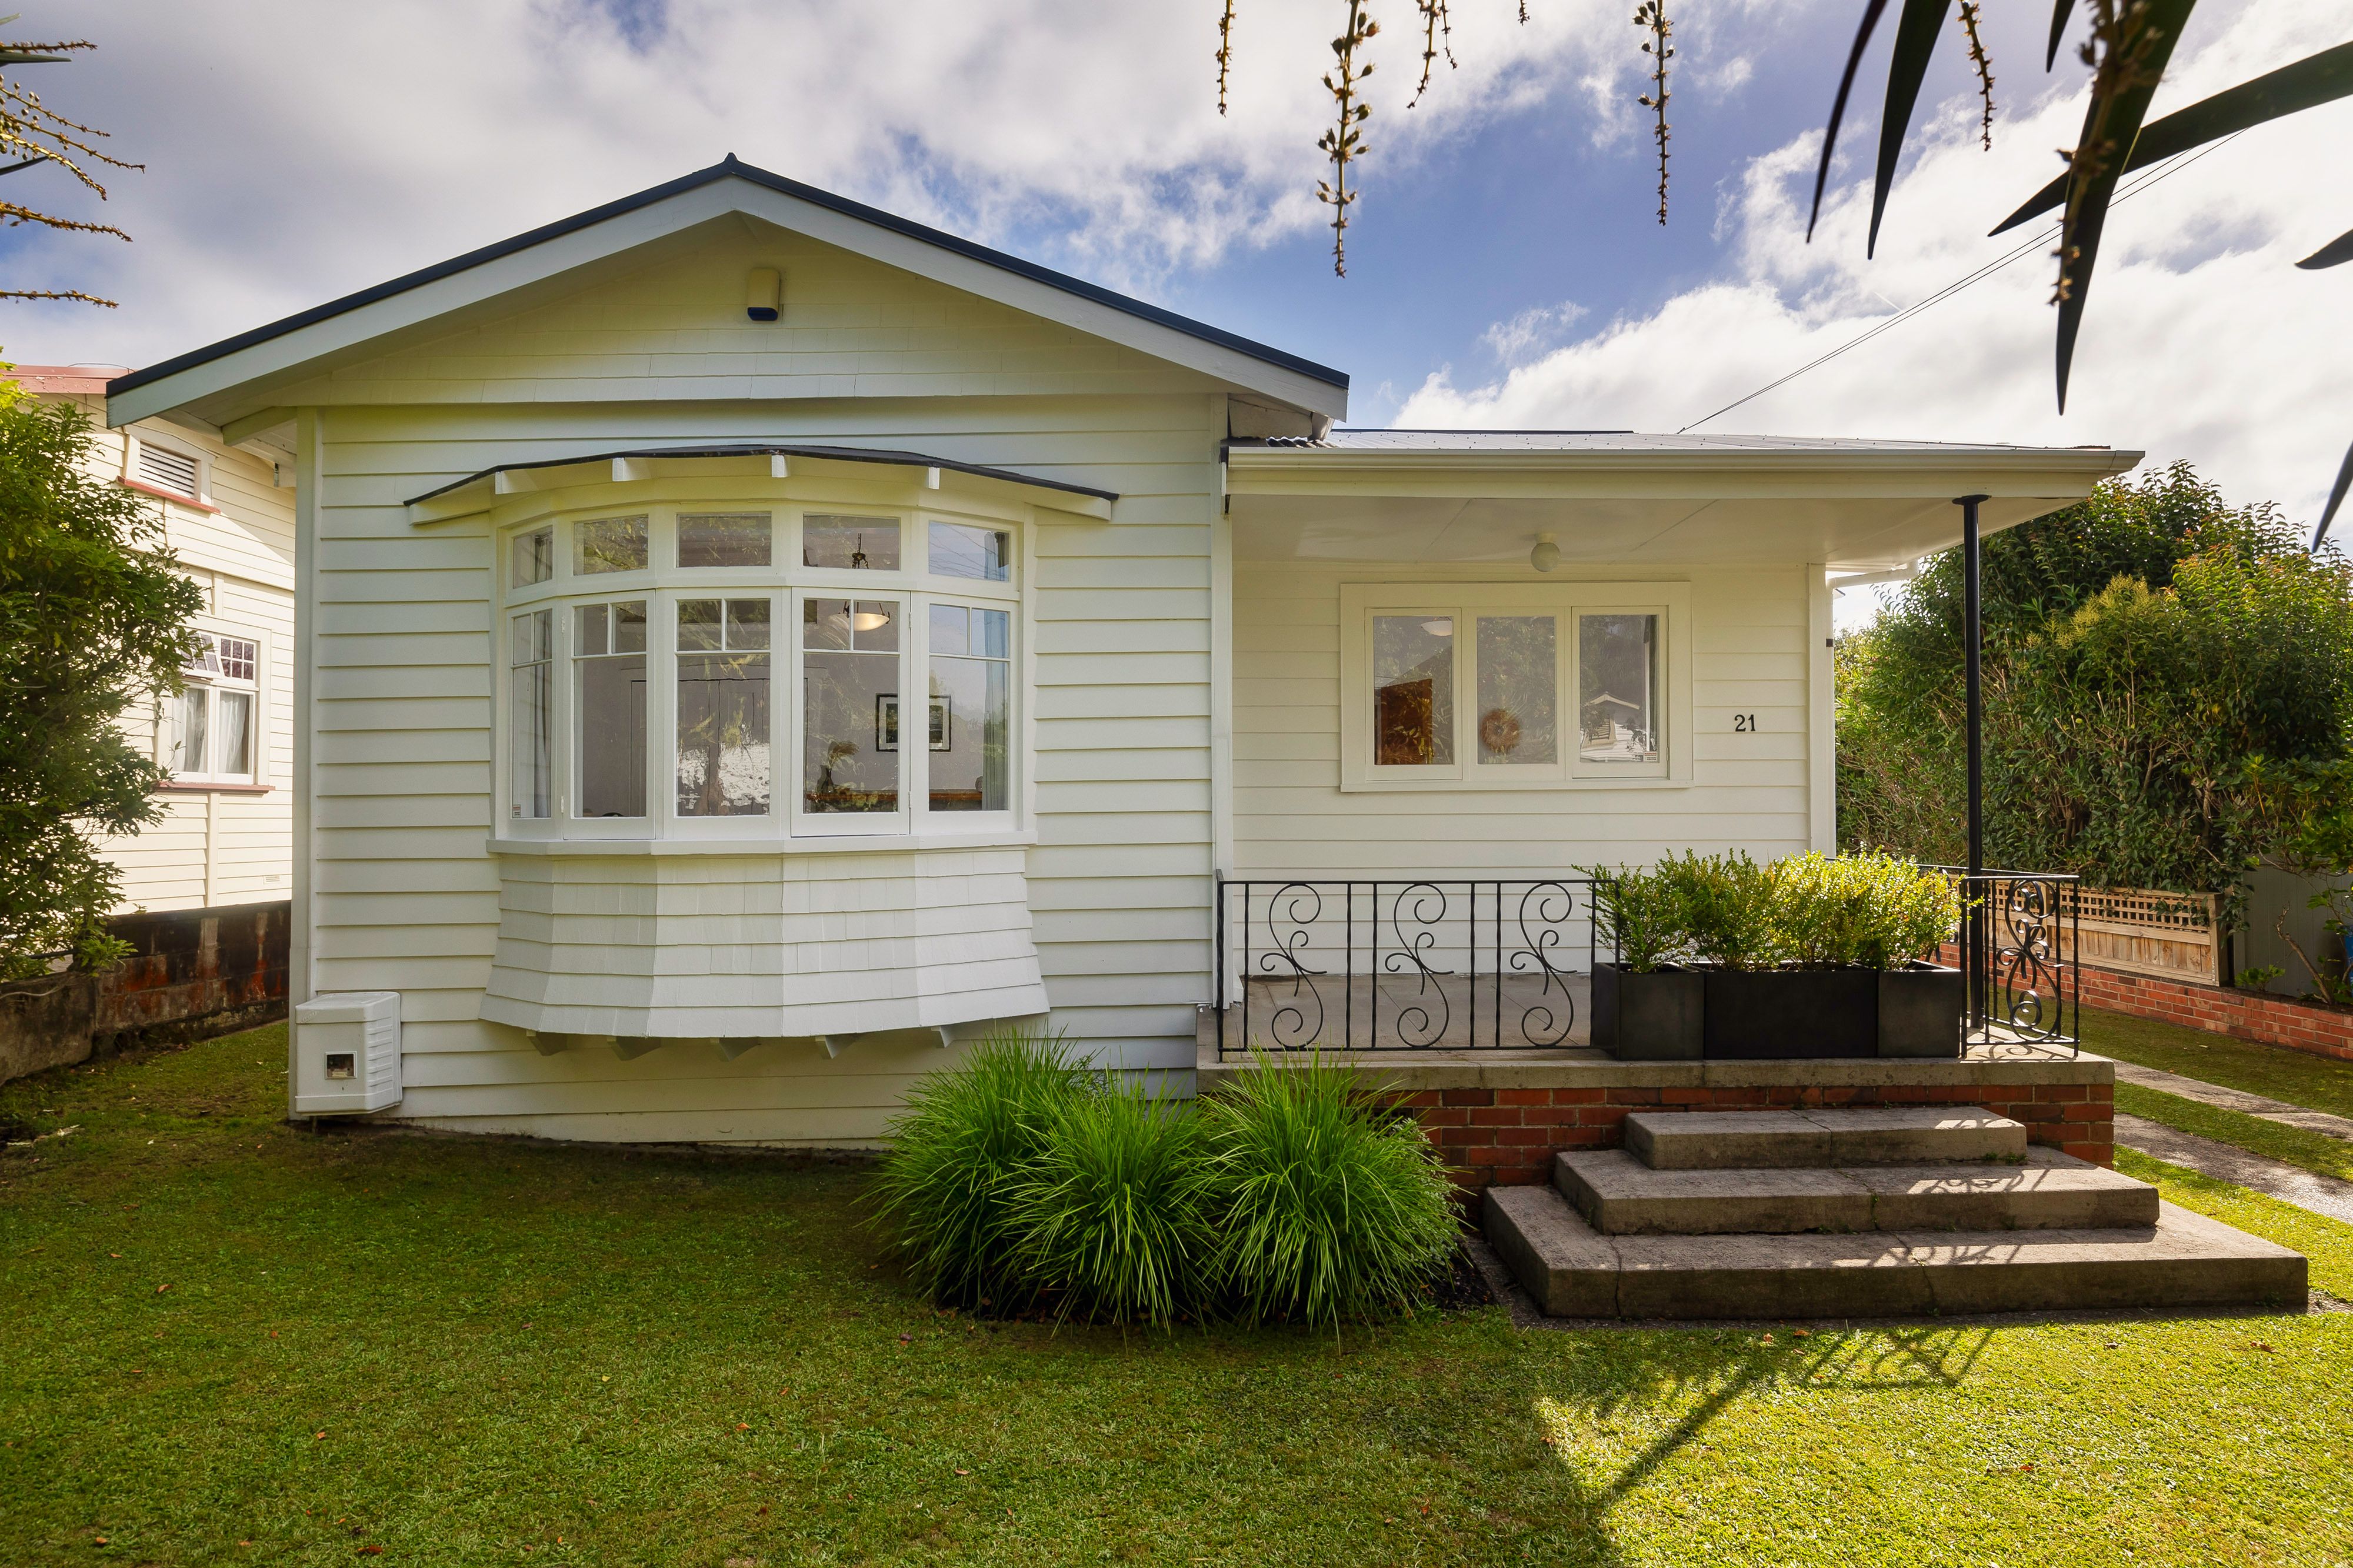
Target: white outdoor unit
column 347, row 1052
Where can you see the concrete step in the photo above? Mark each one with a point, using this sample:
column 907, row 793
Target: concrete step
column 2184, row 1261
column 1619, row 1195
column 1820, row 1140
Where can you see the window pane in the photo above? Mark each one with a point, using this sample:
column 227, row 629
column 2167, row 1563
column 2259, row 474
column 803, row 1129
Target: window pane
column 698, row 624
column 1413, row 690
column 530, row 715
column 535, row 557
column 725, row 539
column 192, row 709
column 860, row 543
column 1617, row 688
column 1518, row 705
column 239, row 657
column 205, row 660
column 723, row 734
column 233, row 736
column 613, row 544
column 609, row 694
column 961, row 552
column 748, row 623
column 970, row 722
column 850, row 726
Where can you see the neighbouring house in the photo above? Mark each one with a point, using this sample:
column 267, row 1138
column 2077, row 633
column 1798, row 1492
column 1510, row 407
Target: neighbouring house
column 751, row 643
column 207, row 890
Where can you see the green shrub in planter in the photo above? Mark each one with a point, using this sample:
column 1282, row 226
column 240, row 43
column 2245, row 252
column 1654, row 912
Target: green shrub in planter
column 1871, row 911
column 1113, row 1211
column 1329, row 1204
column 1640, row 914
column 1731, row 908
column 966, row 1138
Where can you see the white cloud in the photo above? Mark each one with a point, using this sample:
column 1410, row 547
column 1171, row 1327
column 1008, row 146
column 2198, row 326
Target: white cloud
column 1533, row 330
column 2202, row 339
column 300, row 150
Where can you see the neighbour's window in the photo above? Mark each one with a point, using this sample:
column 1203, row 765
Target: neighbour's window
column 608, row 686
column 1413, row 690
column 958, row 551
column 610, row 545
column 1617, row 690
column 724, row 767
column 855, row 543
column 969, row 729
column 211, row 722
column 850, row 706
column 723, row 539
column 529, row 712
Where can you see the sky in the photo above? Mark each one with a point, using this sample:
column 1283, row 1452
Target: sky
column 1505, row 265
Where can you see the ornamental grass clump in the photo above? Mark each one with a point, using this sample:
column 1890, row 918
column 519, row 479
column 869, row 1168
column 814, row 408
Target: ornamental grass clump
column 966, row 1138
column 1330, row 1205
column 1113, row 1211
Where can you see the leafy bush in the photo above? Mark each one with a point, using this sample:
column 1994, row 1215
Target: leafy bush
column 1329, row 1205
column 1112, row 1213
column 1730, row 908
column 1877, row 911
column 965, row 1140
column 1640, row 915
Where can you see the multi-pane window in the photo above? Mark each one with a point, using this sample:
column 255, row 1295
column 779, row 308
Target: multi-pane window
column 1500, row 686
column 722, row 675
column 850, row 724
column 968, row 727
column 530, row 716
column 723, row 760
column 609, row 685
column 210, row 724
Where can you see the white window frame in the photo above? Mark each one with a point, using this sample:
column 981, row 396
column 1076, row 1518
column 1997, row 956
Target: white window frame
column 785, row 582
column 210, row 685
column 1467, row 602
column 202, row 495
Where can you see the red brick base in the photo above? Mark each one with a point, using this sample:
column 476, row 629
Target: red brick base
column 2247, row 1014
column 1508, row 1136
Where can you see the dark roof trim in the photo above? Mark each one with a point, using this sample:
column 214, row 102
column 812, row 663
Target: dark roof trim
column 739, row 170
column 769, row 449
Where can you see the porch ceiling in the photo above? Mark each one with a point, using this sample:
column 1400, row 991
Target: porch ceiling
column 1852, row 506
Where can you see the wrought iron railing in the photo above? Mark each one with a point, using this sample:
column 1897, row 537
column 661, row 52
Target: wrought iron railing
column 1406, row 965
column 2020, row 944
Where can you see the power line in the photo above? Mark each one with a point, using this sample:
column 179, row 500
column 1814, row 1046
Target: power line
column 2170, row 168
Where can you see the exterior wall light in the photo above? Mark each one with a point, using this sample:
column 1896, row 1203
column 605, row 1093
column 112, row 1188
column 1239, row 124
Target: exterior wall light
column 1546, row 555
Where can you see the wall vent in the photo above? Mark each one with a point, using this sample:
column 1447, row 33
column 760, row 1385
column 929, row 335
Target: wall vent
column 167, row 470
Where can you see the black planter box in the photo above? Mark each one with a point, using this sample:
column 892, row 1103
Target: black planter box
column 1648, row 1017
column 1920, row 1011
column 1781, row 1015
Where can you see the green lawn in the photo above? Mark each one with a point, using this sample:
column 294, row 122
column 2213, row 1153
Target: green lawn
column 2316, row 1152
column 225, row 1330
column 2299, row 1078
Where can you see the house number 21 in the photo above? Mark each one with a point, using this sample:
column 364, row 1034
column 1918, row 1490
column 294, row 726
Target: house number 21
column 1743, row 723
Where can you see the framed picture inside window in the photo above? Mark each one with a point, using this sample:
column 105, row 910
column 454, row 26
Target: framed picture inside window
column 886, row 723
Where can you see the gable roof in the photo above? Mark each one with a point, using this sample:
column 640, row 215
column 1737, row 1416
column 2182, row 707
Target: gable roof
column 270, row 350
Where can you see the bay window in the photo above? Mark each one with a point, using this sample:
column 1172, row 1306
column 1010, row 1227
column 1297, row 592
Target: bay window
column 1511, row 686
column 210, row 726
column 734, row 673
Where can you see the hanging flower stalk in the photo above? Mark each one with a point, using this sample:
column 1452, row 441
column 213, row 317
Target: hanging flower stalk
column 1437, row 37
column 1984, row 66
column 1344, row 143
column 1652, row 15
column 1225, row 50
column 30, row 133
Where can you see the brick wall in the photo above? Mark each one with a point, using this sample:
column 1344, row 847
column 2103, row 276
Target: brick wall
column 1508, row 1136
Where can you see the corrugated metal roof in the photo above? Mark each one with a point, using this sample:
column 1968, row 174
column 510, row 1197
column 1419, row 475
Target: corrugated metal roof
column 1344, row 440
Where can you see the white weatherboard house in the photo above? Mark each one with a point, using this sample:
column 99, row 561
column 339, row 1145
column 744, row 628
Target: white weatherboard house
column 748, row 642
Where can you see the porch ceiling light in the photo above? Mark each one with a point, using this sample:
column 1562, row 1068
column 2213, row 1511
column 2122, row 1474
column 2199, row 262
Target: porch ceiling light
column 1546, row 555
